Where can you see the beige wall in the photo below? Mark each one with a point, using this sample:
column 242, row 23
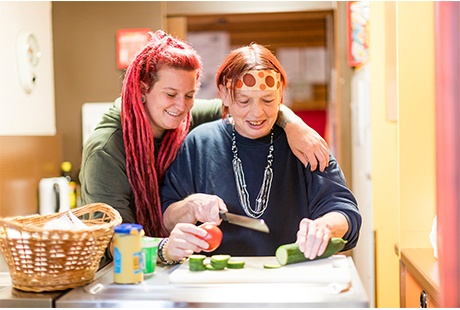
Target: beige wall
column 85, row 59
column 403, row 164
column 29, row 147
column 24, row 113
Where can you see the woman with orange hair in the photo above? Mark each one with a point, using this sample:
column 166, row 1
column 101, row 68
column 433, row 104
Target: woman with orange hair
column 243, row 164
column 125, row 159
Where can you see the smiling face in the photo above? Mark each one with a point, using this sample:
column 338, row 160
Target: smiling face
column 253, row 111
column 170, row 99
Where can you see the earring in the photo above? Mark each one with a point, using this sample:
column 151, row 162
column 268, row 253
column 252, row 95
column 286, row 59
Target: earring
column 143, row 99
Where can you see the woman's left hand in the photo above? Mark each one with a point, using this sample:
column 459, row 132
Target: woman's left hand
column 313, row 237
column 184, row 240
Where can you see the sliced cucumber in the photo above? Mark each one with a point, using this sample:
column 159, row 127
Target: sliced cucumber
column 217, row 262
column 196, row 262
column 290, row 253
column 220, row 261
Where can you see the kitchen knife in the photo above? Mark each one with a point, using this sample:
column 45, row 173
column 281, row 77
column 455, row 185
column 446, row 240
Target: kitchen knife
column 244, row 221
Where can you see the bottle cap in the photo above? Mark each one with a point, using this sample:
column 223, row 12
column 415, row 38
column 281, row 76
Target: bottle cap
column 66, row 166
column 128, row 228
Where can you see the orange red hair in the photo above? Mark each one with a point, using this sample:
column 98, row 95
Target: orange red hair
column 244, row 59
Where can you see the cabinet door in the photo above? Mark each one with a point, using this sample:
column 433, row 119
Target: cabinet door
column 413, row 295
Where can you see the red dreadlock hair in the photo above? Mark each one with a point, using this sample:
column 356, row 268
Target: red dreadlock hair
column 144, row 171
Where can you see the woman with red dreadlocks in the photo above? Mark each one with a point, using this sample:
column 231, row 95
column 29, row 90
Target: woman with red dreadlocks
column 125, row 159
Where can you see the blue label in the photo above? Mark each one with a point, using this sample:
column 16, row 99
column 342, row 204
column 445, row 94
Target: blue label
column 138, row 262
column 117, row 261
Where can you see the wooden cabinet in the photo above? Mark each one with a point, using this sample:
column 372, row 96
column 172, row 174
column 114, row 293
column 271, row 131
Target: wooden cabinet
column 419, row 279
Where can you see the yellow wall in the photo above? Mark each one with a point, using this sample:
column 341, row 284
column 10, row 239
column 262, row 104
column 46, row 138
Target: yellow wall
column 403, row 163
column 416, row 122
column 384, row 156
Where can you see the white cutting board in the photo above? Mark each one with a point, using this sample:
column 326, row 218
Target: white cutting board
column 334, row 269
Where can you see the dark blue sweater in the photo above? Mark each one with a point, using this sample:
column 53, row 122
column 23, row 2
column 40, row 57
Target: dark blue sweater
column 204, row 165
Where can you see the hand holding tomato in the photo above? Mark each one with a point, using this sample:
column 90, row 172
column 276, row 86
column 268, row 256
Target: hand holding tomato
column 214, row 236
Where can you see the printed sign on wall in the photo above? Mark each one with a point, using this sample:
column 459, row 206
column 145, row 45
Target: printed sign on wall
column 129, row 43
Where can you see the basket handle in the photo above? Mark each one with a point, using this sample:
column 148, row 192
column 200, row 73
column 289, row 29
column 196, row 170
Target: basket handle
column 57, row 196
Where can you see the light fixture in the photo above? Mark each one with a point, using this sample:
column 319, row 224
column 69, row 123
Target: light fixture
column 28, row 54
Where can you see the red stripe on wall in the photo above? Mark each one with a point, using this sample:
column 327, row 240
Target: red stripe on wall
column 448, row 149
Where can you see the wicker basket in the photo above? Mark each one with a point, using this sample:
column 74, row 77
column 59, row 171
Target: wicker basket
column 52, row 260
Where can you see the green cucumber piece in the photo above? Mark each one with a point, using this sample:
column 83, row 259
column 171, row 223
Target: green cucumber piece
column 212, row 268
column 272, row 266
column 220, row 261
column 290, row 253
column 196, row 262
column 235, row 265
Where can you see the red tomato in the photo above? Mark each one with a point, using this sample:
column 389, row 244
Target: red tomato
column 214, row 236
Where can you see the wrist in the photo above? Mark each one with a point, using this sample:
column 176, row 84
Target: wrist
column 193, row 209
column 286, row 116
column 162, row 252
column 283, row 120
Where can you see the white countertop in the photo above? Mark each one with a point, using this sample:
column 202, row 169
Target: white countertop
column 159, row 291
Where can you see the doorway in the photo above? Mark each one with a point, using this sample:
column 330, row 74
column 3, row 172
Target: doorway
column 301, row 41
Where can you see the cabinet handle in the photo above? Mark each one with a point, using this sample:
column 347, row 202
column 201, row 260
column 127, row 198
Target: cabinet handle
column 423, row 303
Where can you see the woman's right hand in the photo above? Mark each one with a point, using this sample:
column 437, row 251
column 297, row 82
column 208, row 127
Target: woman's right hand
column 184, row 240
column 203, row 208
column 206, row 207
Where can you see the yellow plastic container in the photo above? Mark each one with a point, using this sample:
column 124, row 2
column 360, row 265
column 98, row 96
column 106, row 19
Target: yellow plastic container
column 128, row 264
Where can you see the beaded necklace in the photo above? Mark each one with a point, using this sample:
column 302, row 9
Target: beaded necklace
column 264, row 193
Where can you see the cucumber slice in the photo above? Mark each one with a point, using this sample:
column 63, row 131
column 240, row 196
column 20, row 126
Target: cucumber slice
column 220, row 261
column 197, row 258
column 272, row 266
column 235, row 265
column 220, row 258
column 212, row 268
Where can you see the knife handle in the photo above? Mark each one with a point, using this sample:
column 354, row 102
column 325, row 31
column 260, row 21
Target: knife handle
column 223, row 215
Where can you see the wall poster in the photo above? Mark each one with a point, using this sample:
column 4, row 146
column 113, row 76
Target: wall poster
column 358, row 14
column 129, row 43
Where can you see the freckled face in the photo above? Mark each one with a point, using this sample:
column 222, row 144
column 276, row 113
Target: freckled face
column 170, row 99
column 254, row 111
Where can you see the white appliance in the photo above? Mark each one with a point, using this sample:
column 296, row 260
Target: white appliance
column 363, row 253
column 91, row 114
column 53, row 195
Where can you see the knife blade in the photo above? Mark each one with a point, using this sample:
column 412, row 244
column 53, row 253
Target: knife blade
column 244, row 221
